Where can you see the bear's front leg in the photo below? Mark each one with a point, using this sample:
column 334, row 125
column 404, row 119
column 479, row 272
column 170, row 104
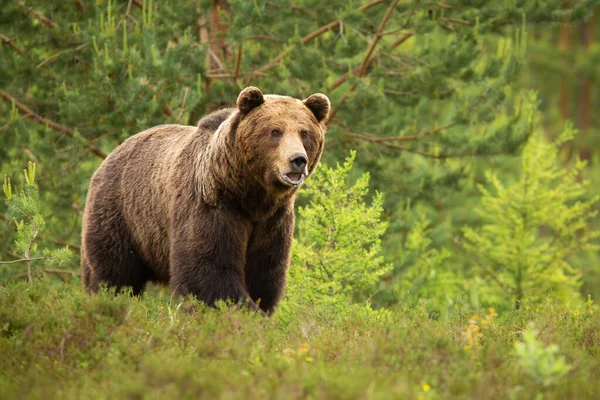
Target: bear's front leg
column 208, row 248
column 268, row 259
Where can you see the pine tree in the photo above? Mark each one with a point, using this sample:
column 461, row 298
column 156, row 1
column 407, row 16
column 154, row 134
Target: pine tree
column 533, row 226
column 337, row 256
column 427, row 92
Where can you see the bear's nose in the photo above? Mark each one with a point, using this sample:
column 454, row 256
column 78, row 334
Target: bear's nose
column 298, row 162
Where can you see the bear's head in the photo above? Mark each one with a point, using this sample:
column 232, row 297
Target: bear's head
column 281, row 138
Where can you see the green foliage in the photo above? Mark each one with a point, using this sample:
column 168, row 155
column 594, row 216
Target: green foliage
column 438, row 85
column 426, row 272
column 57, row 341
column 431, row 94
column 534, row 225
column 542, row 363
column 336, row 257
column 30, row 223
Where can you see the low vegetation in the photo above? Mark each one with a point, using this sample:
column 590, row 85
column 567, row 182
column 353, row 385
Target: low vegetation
column 58, row 342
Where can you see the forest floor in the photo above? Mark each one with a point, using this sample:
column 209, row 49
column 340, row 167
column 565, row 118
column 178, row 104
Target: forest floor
column 58, row 342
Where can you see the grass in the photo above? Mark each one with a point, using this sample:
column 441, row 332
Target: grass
column 58, row 342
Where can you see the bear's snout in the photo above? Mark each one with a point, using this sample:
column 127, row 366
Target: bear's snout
column 298, row 163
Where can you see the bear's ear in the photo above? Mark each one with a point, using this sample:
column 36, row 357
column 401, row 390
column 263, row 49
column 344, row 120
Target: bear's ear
column 319, row 104
column 249, row 98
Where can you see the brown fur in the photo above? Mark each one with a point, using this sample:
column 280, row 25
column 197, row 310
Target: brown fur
column 205, row 209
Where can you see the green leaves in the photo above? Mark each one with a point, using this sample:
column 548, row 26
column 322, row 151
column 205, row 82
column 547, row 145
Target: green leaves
column 7, row 188
column 30, row 224
column 336, row 257
column 542, row 363
column 532, row 226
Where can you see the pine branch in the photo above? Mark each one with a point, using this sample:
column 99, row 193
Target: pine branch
column 48, row 23
column 386, row 142
column 334, row 24
column 342, row 79
column 401, row 40
column 182, row 108
column 25, row 259
column 363, row 66
column 445, row 6
column 12, row 45
column 51, row 124
column 59, row 271
column 377, row 139
column 457, row 21
column 31, row 156
column 71, row 246
column 238, row 61
column 264, row 37
column 54, row 271
column 53, row 57
column 378, row 36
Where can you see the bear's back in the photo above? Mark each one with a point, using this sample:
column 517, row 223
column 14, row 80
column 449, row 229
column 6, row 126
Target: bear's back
column 212, row 121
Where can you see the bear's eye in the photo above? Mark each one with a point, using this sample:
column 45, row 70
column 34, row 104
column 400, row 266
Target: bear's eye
column 275, row 132
column 304, row 133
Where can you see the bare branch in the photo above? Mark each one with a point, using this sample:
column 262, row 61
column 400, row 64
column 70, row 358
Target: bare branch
column 264, row 37
column 391, row 31
column 457, row 21
column 59, row 271
column 385, row 141
column 11, row 44
column 31, row 156
column 54, row 271
column 446, row 6
column 53, row 57
column 377, row 139
column 216, row 60
column 377, row 38
column 401, row 40
column 342, row 79
column 28, row 252
column 25, row 259
column 446, row 26
column 182, row 108
column 238, row 61
column 71, row 246
column 363, row 67
column 216, row 76
column 48, row 23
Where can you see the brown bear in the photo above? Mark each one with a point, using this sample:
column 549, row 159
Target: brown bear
column 207, row 209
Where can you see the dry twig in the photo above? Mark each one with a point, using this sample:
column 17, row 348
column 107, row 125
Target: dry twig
column 11, row 44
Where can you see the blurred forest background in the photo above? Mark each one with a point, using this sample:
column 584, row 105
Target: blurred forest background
column 463, row 115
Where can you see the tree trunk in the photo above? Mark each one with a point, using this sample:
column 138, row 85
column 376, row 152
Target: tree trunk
column 588, row 30
column 565, row 40
column 219, row 50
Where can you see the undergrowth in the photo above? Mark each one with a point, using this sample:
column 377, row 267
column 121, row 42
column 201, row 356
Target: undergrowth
column 58, row 342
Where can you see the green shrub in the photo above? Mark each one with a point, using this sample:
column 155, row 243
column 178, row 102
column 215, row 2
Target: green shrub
column 30, row 225
column 542, row 363
column 534, row 225
column 336, row 256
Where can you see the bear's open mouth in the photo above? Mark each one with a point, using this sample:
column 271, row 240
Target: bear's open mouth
column 293, row 178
